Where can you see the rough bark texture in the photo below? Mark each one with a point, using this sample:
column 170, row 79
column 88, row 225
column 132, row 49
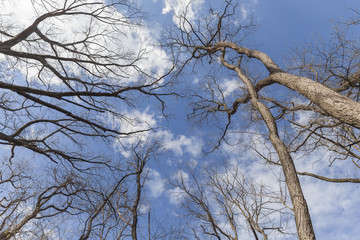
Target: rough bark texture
column 135, row 206
column 330, row 101
column 301, row 211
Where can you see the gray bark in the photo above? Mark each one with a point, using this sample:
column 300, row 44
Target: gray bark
column 330, row 101
column 303, row 222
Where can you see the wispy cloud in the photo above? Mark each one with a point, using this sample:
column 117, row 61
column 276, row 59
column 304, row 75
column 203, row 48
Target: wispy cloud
column 155, row 183
column 131, row 40
column 146, row 120
column 180, row 7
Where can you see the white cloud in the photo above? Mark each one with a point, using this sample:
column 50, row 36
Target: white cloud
column 22, row 12
column 180, row 174
column 145, row 120
column 196, row 80
column 193, row 163
column 135, row 121
column 107, row 39
column 334, row 208
column 247, row 8
column 176, row 195
column 143, row 208
column 244, row 12
column 180, row 7
column 155, row 183
column 231, row 85
column 180, row 144
column 303, row 117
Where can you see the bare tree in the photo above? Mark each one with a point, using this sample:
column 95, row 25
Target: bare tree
column 332, row 97
column 105, row 204
column 335, row 65
column 72, row 85
column 27, row 202
column 224, row 204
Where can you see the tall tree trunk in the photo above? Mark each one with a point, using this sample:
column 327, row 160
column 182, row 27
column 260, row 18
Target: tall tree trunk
column 136, row 202
column 302, row 216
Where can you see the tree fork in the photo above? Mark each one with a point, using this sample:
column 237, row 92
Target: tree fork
column 330, row 101
column 303, row 222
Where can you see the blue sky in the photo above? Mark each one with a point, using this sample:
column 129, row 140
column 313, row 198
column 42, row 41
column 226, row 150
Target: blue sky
column 281, row 27
column 284, row 25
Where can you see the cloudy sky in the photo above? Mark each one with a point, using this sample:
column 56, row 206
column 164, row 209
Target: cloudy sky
column 281, row 27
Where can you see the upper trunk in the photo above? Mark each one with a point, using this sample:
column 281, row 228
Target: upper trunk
column 331, row 102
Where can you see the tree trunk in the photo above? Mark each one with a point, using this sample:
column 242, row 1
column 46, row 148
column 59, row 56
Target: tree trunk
column 331, row 102
column 302, row 216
